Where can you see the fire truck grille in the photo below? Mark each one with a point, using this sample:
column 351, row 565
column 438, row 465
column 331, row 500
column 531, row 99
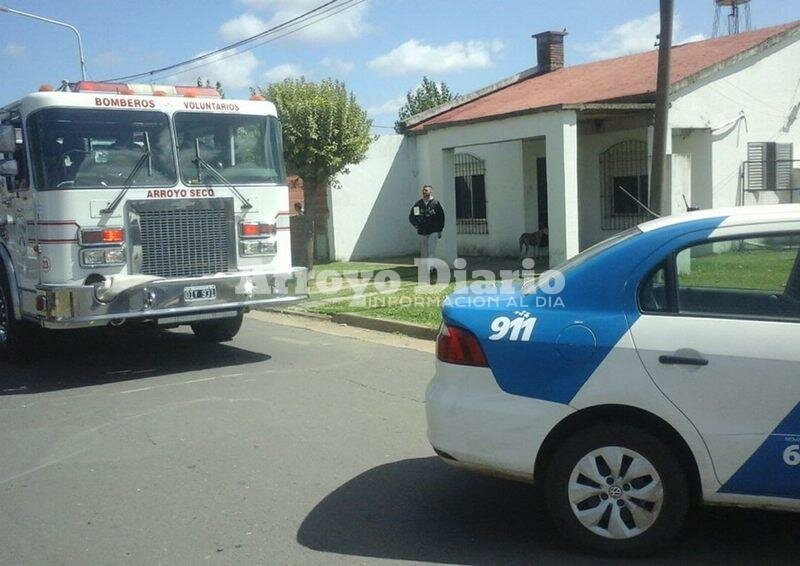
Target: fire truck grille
column 185, row 238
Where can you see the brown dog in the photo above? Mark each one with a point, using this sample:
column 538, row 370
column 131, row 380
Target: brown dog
column 533, row 240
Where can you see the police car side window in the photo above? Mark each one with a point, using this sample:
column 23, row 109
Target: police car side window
column 754, row 277
column 653, row 291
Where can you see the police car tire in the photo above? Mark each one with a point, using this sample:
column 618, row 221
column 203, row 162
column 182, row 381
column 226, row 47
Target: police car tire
column 675, row 503
column 220, row 330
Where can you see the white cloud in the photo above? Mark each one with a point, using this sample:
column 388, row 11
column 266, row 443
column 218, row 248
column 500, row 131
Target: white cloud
column 415, row 57
column 328, row 27
column 280, row 72
column 246, row 25
column 633, row 36
column 232, row 71
column 338, row 66
column 389, row 107
column 14, row 49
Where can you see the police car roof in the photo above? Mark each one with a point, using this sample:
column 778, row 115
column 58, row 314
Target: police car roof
column 733, row 216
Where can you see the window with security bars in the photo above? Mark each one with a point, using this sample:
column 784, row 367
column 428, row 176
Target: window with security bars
column 625, row 188
column 470, row 188
column 770, row 167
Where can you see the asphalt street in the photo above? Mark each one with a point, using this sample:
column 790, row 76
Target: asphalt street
column 288, row 445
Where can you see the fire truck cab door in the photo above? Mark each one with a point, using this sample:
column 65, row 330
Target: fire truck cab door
column 16, row 222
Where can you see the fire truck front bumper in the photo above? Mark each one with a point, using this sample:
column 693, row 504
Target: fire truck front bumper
column 168, row 301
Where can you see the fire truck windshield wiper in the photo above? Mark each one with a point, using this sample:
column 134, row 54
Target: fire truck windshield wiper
column 200, row 162
column 146, row 157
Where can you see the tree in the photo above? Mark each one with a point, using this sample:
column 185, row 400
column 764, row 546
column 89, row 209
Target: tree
column 324, row 132
column 426, row 96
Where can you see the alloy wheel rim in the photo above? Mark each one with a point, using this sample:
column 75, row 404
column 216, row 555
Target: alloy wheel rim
column 615, row 492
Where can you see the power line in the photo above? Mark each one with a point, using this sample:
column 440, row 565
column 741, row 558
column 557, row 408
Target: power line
column 321, row 8
column 320, row 17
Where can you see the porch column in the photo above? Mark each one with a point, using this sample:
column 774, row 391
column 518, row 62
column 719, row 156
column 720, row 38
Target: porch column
column 437, row 168
column 561, row 149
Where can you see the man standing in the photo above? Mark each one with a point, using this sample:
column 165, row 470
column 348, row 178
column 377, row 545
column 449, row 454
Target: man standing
column 427, row 216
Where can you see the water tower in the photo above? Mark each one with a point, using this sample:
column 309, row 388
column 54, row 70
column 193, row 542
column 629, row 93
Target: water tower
column 737, row 14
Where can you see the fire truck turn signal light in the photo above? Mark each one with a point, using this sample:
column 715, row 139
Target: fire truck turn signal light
column 100, row 236
column 256, row 229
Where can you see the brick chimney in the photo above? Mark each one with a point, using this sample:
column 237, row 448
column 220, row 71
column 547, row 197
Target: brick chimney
column 550, row 50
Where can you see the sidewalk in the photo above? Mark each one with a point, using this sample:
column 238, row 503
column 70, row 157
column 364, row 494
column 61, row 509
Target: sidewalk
column 359, row 302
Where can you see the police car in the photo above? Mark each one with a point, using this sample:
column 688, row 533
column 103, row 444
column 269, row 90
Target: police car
column 667, row 373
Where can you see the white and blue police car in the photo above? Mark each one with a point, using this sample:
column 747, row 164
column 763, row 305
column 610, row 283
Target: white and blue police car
column 667, row 374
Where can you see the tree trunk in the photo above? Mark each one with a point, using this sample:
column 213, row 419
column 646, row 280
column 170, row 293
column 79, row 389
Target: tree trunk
column 309, row 198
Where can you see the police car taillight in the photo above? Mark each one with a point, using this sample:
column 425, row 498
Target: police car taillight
column 455, row 345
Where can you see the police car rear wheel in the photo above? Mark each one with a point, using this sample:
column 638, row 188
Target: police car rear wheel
column 617, row 489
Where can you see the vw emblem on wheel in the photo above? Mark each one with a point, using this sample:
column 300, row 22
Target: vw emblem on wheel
column 615, row 491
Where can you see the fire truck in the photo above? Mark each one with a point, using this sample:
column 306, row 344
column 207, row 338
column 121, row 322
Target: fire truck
column 141, row 203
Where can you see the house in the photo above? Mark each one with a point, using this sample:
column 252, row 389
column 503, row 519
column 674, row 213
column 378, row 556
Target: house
column 566, row 147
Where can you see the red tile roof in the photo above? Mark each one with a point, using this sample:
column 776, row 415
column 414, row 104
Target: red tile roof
column 625, row 79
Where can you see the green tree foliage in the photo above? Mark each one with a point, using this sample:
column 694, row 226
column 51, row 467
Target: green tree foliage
column 324, row 132
column 426, row 96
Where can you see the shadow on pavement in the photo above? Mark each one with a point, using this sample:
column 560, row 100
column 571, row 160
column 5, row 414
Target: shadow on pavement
column 423, row 510
column 66, row 360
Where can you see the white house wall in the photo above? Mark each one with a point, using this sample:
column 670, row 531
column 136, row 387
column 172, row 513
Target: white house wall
column 505, row 203
column 764, row 90
column 369, row 210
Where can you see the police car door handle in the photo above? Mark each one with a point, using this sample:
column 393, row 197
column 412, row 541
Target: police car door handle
column 683, row 360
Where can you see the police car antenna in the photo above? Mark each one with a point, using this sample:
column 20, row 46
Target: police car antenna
column 640, row 203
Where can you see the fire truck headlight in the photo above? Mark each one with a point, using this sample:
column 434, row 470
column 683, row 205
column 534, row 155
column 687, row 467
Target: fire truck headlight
column 93, row 257
column 114, row 256
column 258, row 247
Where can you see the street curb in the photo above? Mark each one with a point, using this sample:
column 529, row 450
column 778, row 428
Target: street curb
column 386, row 325
column 298, row 312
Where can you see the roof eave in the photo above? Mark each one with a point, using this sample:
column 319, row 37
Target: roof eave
column 582, row 107
column 469, row 97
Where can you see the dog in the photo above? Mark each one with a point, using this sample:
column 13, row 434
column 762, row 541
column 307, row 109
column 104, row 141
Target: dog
column 533, row 240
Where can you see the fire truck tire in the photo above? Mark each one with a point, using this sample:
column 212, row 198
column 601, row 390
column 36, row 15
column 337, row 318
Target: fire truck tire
column 222, row 330
column 13, row 333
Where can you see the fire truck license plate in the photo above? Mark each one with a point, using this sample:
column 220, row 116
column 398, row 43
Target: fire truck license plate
column 200, row 293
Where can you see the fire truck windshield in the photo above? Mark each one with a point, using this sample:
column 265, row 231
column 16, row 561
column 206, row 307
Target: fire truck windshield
column 244, row 149
column 78, row 148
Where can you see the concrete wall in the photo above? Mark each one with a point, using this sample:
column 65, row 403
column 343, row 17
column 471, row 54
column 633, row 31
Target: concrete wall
column 505, row 201
column 753, row 100
column 699, row 144
column 369, row 209
column 532, row 150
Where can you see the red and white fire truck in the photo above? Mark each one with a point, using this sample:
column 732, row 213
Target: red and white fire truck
column 123, row 202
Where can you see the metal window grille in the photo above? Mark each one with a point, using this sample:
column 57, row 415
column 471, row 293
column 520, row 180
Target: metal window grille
column 470, row 189
column 624, row 166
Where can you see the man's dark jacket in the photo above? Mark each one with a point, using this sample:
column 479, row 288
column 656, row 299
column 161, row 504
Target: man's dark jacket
column 430, row 219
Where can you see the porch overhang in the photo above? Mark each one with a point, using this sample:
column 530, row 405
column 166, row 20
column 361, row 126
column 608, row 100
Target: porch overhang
column 595, row 108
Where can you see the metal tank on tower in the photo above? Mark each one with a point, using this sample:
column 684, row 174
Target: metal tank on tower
column 736, row 14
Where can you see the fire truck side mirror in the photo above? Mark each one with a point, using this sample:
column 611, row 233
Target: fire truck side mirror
column 8, row 138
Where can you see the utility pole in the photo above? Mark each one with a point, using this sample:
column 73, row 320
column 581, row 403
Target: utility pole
column 55, row 22
column 660, row 130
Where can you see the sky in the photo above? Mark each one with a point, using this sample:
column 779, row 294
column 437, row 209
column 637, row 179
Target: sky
column 380, row 48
